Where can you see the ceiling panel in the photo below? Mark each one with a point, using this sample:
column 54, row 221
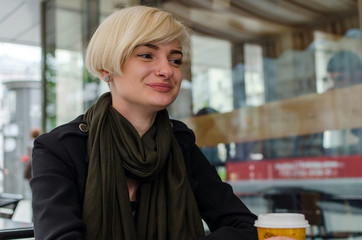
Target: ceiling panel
column 20, row 21
column 234, row 20
column 247, row 20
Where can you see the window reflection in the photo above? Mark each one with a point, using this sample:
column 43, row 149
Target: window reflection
column 293, row 131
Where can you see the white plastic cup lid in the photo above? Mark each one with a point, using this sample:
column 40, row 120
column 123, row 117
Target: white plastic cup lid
column 281, row 220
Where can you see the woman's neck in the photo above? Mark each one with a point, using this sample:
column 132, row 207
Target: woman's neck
column 141, row 119
column 141, row 124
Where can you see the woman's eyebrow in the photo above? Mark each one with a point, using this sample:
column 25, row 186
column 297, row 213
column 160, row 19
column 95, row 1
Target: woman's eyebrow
column 155, row 47
column 176, row 52
column 151, row 46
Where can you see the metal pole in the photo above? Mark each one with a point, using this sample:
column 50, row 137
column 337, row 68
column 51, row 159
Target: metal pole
column 43, row 63
column 360, row 16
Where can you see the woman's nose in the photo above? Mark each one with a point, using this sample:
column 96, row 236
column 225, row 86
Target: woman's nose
column 164, row 69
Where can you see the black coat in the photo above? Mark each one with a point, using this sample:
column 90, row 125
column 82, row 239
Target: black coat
column 59, row 176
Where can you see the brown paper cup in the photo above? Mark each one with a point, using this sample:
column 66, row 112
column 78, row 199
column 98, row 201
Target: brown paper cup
column 281, row 226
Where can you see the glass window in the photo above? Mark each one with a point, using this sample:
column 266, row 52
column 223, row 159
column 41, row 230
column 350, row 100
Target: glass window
column 254, row 75
column 211, row 74
column 70, row 90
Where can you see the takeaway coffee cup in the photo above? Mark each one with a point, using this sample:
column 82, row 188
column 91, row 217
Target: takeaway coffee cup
column 281, row 226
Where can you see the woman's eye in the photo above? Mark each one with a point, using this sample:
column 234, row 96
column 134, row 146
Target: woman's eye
column 176, row 61
column 145, row 55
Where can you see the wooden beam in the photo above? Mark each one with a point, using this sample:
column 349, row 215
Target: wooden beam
column 332, row 110
column 223, row 22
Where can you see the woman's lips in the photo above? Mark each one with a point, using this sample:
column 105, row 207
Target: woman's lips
column 161, row 87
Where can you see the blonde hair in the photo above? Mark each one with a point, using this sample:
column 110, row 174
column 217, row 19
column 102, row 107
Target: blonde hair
column 124, row 30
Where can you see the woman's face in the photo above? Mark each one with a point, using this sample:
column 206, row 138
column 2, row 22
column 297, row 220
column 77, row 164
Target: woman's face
column 151, row 78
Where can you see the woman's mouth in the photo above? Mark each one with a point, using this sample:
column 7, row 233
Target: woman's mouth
column 161, row 87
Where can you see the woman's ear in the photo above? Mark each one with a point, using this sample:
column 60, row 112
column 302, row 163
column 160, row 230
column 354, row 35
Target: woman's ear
column 106, row 76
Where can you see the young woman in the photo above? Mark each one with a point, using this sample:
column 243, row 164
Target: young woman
column 124, row 170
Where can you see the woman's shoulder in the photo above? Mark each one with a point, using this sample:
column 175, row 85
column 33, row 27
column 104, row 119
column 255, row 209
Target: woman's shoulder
column 182, row 132
column 76, row 127
column 67, row 143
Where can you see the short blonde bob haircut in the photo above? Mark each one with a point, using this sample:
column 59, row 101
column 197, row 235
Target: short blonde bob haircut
column 124, row 30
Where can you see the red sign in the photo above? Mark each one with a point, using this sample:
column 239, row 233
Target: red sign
column 296, row 168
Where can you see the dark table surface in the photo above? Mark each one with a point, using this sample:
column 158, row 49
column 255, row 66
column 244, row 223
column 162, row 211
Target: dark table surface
column 10, row 229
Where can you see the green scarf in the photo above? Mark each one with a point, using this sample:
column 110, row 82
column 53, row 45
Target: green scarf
column 167, row 208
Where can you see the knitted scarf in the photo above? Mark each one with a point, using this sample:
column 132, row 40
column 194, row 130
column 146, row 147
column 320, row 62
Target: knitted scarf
column 167, row 208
